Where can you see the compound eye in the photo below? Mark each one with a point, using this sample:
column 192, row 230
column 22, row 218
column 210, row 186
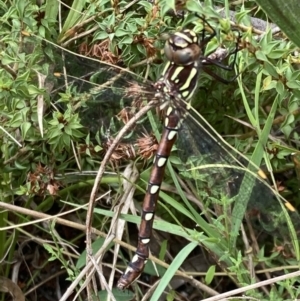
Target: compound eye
column 182, row 56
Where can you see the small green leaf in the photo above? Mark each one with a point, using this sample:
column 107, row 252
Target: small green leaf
column 132, row 28
column 147, row 5
column 25, row 126
column 20, row 166
column 280, row 88
column 171, row 295
column 225, row 25
column 127, row 40
column 102, row 35
column 97, row 148
column 111, row 20
column 66, row 140
column 33, row 90
column 261, row 56
column 268, row 83
column 17, row 120
column 23, row 77
column 243, row 17
column 212, row 45
column 163, row 250
column 120, row 32
column 293, row 84
column 269, row 69
column 194, row 6
column 210, row 274
column 166, row 6
column 277, row 54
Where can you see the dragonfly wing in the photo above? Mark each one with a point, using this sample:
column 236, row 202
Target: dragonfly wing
column 220, row 171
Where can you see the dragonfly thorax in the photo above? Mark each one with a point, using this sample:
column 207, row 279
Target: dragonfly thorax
column 178, row 82
column 183, row 48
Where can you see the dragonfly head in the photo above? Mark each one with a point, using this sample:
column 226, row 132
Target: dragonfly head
column 182, row 48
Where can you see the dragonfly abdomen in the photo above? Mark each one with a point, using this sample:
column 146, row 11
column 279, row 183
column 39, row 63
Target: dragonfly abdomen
column 168, row 139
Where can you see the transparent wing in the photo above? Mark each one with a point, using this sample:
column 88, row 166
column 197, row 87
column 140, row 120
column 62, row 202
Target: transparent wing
column 105, row 97
column 218, row 170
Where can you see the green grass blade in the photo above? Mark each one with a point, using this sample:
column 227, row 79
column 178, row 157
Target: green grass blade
column 256, row 158
column 175, row 265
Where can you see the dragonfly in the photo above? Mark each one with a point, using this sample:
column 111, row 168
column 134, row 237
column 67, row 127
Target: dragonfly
column 176, row 87
column 211, row 157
